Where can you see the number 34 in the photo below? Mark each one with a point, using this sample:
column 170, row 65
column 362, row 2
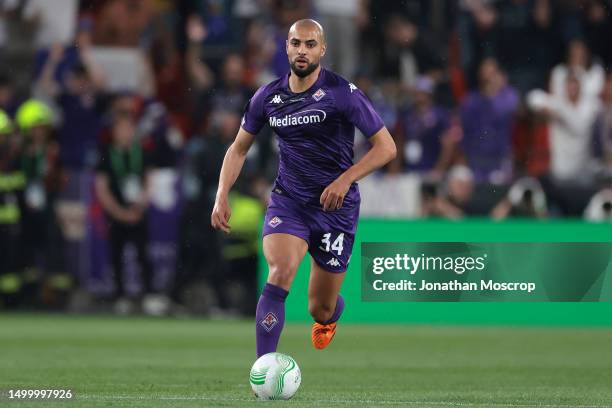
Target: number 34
column 335, row 246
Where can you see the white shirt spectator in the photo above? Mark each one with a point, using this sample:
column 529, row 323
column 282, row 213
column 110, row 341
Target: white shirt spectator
column 591, row 80
column 570, row 132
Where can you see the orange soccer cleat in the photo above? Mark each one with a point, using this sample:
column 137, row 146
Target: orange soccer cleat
column 322, row 334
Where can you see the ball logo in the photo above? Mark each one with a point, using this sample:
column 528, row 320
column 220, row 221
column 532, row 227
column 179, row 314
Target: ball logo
column 305, row 117
column 269, row 321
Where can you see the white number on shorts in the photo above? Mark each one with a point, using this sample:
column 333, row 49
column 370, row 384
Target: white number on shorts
column 325, row 241
column 336, row 246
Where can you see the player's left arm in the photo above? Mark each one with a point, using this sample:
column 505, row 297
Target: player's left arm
column 382, row 152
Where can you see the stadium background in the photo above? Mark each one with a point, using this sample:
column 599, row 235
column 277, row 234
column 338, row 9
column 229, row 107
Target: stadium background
column 477, row 94
column 502, row 113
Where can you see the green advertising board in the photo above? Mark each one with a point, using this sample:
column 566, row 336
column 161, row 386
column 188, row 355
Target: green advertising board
column 361, row 307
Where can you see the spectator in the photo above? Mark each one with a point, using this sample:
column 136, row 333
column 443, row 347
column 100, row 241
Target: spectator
column 572, row 115
column 122, row 23
column 225, row 91
column 70, row 56
column 404, row 55
column 597, row 22
column 579, row 63
column 384, row 98
column 122, row 187
column 12, row 182
column 81, row 103
column 479, row 34
column 42, row 245
column 259, row 51
column 453, row 199
column 528, row 45
column 486, row 117
column 525, row 198
column 602, row 131
column 231, row 94
column 424, row 137
column 201, row 248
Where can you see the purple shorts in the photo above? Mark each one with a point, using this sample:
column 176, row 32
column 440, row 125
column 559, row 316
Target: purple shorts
column 330, row 235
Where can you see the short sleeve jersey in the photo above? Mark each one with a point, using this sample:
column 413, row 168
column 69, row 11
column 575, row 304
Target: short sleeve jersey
column 315, row 129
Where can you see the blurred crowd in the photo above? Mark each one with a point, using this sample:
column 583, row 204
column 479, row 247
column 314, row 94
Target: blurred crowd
column 115, row 116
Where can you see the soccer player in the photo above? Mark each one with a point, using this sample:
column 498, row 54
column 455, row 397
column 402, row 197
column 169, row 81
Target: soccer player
column 315, row 200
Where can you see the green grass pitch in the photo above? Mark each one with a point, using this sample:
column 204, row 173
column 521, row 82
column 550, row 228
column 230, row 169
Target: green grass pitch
column 139, row 362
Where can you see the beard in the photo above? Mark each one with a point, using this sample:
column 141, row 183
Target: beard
column 303, row 72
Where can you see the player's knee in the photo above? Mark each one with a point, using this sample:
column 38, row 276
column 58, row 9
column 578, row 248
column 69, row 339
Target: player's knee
column 281, row 273
column 320, row 312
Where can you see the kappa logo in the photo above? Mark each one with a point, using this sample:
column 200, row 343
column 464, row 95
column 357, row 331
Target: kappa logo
column 269, row 321
column 277, row 99
column 352, row 87
column 333, row 262
column 318, row 95
column 275, row 222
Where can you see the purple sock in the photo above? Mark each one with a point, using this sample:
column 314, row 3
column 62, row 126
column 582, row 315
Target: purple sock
column 269, row 318
column 338, row 311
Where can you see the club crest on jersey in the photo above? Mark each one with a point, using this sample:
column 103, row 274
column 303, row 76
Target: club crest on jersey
column 318, row 95
column 275, row 222
column 277, row 99
column 269, row 321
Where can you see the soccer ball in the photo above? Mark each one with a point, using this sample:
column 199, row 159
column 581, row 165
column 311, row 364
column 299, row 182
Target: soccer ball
column 275, row 376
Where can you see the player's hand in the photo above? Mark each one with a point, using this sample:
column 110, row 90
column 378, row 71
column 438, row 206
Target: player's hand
column 221, row 214
column 333, row 195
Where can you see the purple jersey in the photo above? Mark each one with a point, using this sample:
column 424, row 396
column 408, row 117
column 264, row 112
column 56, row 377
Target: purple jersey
column 316, row 129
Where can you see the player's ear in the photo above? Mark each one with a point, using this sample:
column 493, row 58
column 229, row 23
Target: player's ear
column 287, row 46
column 323, row 49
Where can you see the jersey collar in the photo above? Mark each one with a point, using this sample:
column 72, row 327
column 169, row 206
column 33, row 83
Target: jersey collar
column 313, row 87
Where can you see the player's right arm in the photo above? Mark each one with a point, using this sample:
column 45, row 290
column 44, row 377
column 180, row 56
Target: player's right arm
column 232, row 164
column 252, row 122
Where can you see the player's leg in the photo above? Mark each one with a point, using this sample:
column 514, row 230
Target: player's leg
column 325, row 303
column 283, row 253
column 331, row 245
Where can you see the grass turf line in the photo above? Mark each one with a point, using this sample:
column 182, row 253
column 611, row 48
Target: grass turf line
column 139, row 362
